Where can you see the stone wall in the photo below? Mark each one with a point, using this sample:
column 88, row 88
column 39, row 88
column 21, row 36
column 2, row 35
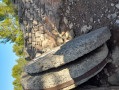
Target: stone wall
column 50, row 23
column 40, row 21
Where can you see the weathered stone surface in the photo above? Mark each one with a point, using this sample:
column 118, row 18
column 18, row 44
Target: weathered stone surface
column 117, row 6
column 115, row 56
column 65, row 16
column 70, row 51
column 56, row 79
column 114, row 78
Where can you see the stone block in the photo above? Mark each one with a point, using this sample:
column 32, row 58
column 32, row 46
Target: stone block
column 38, row 39
column 27, row 5
column 33, row 39
column 38, row 47
column 36, row 28
column 70, row 51
column 35, row 22
column 69, row 75
column 25, row 22
column 37, row 34
column 33, row 44
column 31, row 17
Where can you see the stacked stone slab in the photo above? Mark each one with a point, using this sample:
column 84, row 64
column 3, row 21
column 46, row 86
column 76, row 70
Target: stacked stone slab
column 71, row 74
column 69, row 65
column 69, row 51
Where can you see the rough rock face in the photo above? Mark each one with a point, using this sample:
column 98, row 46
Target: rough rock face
column 51, row 23
column 115, row 56
column 69, row 75
column 44, row 25
column 113, row 78
column 113, row 71
column 58, row 21
column 70, row 51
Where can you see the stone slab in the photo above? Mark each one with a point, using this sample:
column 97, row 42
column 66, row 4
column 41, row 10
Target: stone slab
column 76, row 72
column 69, row 51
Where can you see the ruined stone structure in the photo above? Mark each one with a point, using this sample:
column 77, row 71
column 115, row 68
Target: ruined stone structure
column 44, row 25
column 50, row 23
column 69, row 68
column 62, row 55
column 55, row 29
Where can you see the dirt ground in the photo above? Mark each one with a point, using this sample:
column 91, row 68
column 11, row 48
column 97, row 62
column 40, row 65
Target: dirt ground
column 87, row 15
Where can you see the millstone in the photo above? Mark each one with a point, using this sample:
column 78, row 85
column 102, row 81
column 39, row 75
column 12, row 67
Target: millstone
column 69, row 51
column 70, row 75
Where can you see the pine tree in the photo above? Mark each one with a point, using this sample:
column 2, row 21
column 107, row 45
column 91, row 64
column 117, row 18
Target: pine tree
column 10, row 32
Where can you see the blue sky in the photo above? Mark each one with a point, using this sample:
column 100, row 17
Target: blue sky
column 7, row 61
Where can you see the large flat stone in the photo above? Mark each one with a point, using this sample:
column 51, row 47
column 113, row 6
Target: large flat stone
column 69, row 51
column 69, row 75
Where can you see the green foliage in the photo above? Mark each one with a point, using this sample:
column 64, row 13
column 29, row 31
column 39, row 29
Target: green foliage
column 17, row 69
column 18, row 48
column 9, row 25
column 12, row 8
column 8, row 2
column 6, row 8
column 16, row 72
column 17, row 84
column 10, row 32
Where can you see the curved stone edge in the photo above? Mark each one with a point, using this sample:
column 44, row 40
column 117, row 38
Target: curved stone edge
column 74, row 83
column 66, row 73
column 103, row 64
column 70, row 51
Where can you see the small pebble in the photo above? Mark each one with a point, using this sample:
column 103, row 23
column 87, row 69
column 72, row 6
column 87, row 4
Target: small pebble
column 112, row 4
column 117, row 6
